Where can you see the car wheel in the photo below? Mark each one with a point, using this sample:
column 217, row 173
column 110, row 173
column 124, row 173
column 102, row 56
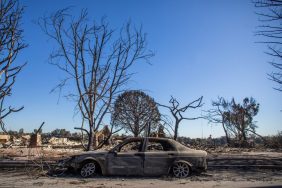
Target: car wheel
column 181, row 170
column 88, row 169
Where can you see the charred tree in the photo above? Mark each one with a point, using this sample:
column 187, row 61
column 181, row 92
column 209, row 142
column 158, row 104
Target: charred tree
column 235, row 118
column 135, row 111
column 220, row 114
column 270, row 16
column 177, row 111
column 95, row 59
column 11, row 44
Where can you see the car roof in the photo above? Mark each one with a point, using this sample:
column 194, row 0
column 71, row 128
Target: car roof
column 150, row 138
column 172, row 142
column 175, row 144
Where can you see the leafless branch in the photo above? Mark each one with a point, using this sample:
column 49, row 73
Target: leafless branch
column 11, row 44
column 177, row 111
column 95, row 59
column 270, row 14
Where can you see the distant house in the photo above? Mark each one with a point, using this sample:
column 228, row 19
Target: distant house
column 117, row 139
column 25, row 139
column 58, row 141
column 102, row 135
column 4, row 138
column 159, row 133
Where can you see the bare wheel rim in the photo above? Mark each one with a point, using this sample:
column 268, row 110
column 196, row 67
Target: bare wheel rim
column 181, row 170
column 87, row 170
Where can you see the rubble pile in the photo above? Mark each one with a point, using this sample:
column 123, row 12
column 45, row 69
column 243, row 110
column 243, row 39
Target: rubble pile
column 7, row 141
column 30, row 147
column 35, row 153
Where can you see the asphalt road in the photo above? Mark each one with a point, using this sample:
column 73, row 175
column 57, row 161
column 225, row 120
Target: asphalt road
column 212, row 178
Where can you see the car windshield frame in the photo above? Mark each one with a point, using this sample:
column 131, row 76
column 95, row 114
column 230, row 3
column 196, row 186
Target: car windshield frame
column 179, row 146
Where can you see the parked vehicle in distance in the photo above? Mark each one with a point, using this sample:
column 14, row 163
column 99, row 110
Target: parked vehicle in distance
column 140, row 156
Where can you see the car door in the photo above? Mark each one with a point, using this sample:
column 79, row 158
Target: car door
column 158, row 158
column 126, row 160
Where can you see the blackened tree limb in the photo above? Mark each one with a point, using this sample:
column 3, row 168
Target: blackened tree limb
column 96, row 62
column 11, row 44
column 177, row 111
column 270, row 15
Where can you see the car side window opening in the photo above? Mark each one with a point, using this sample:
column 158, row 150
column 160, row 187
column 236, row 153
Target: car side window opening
column 134, row 146
column 154, row 146
column 168, row 147
column 159, row 146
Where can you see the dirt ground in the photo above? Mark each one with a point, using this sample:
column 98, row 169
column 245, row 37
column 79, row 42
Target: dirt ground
column 212, row 178
column 218, row 174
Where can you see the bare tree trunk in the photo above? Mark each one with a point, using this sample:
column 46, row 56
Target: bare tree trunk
column 149, row 130
column 136, row 131
column 136, row 134
column 226, row 134
column 176, row 130
column 244, row 137
column 90, row 139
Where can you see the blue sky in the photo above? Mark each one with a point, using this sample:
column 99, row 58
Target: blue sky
column 202, row 48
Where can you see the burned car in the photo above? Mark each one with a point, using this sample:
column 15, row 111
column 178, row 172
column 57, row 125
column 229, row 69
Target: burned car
column 140, row 156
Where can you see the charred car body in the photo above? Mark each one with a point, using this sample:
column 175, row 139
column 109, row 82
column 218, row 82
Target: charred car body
column 140, row 156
